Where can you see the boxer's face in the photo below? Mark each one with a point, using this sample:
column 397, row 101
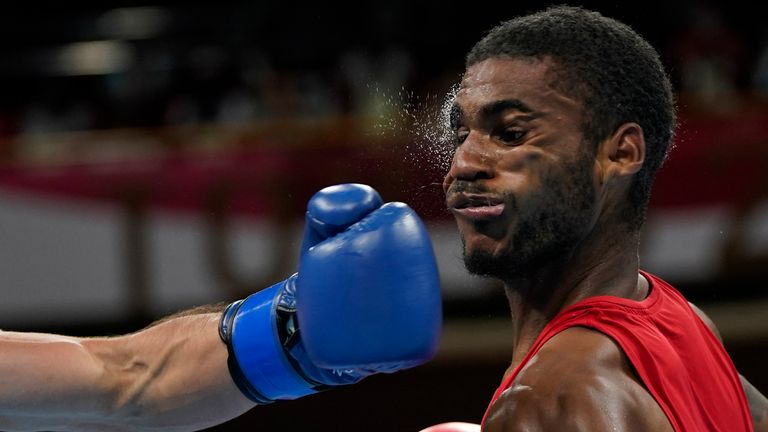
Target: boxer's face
column 521, row 182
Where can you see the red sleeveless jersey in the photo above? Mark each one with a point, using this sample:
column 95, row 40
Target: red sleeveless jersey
column 678, row 358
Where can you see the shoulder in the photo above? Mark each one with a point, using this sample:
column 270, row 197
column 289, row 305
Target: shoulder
column 706, row 320
column 580, row 380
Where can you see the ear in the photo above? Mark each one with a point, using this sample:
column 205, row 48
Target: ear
column 623, row 153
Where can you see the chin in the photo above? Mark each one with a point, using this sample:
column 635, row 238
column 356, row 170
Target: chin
column 511, row 263
column 483, row 262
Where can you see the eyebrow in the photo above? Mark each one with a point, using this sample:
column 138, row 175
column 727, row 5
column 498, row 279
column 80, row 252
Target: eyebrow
column 500, row 106
column 490, row 110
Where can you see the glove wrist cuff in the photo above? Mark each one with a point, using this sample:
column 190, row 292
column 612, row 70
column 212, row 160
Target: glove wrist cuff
column 257, row 361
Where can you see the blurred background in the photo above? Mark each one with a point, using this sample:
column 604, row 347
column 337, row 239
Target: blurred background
column 156, row 156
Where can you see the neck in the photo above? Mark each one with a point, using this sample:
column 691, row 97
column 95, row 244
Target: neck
column 598, row 266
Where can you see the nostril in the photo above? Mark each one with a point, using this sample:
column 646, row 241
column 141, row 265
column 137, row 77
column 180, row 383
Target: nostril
column 470, row 164
column 469, row 170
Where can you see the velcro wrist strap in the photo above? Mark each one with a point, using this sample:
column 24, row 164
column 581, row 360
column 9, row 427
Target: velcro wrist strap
column 256, row 354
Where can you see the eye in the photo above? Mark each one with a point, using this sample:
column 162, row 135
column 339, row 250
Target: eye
column 460, row 134
column 512, row 136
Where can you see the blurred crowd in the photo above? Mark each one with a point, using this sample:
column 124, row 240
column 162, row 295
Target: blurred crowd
column 717, row 67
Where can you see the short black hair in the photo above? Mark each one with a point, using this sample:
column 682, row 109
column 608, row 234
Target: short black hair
column 609, row 67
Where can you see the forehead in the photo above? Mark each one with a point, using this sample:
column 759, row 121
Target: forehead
column 527, row 80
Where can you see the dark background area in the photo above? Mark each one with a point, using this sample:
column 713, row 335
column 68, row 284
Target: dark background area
column 204, row 49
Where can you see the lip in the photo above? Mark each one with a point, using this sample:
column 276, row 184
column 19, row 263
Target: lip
column 478, row 207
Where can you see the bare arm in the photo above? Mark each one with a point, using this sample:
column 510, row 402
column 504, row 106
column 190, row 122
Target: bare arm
column 758, row 404
column 580, row 380
column 171, row 376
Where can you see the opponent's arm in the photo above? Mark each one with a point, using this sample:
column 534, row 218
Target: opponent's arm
column 758, row 403
column 366, row 300
column 170, row 376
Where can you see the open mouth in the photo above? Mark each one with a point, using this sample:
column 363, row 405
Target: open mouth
column 476, row 206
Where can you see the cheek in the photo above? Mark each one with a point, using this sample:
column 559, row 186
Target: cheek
column 522, row 173
column 573, row 187
column 527, row 162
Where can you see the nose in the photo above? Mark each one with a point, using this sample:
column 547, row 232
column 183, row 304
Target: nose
column 472, row 161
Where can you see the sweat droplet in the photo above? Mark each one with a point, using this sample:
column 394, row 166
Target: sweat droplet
column 422, row 123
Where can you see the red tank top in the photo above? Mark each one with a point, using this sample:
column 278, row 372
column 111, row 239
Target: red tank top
column 678, row 358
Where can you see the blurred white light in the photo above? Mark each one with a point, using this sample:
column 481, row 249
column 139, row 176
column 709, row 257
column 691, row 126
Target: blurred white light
column 94, row 58
column 133, row 23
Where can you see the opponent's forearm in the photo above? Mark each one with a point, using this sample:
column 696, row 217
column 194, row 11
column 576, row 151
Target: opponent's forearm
column 42, row 374
column 172, row 376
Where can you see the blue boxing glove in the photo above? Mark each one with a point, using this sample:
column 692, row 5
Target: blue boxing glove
column 366, row 299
